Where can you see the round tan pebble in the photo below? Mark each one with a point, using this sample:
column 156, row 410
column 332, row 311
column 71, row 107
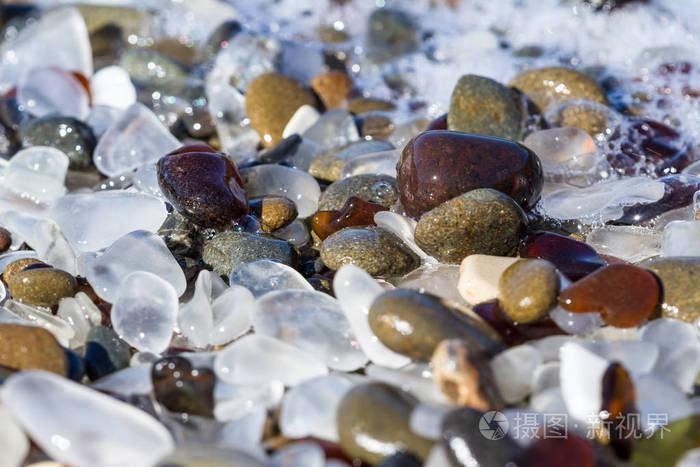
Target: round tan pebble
column 274, row 212
column 16, row 267
column 42, row 287
column 550, row 87
column 332, row 88
column 528, row 289
column 31, row 348
column 270, row 101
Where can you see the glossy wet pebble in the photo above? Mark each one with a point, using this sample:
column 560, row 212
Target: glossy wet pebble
column 228, row 250
column 413, row 324
column 373, row 423
column 69, row 135
column 482, row 106
column 481, row 221
column 380, row 189
column 274, row 212
column 271, row 100
column 42, row 287
column 625, row 295
column 105, row 352
column 528, row 289
column 549, row 87
column 204, row 186
column 436, row 166
column 31, row 348
column 375, row 250
column 679, row 278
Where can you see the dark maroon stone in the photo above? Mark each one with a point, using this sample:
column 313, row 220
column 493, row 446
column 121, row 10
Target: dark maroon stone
column 515, row 333
column 438, row 165
column 678, row 193
column 202, row 185
column 572, row 258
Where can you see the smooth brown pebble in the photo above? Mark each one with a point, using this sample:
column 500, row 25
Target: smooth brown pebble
column 528, row 289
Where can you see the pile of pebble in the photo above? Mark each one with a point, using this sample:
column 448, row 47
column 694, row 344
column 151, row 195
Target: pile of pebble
column 229, row 250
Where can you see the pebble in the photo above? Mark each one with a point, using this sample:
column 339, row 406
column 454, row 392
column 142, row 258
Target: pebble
column 438, row 165
column 679, row 278
column 329, row 165
column 228, row 250
column 550, row 87
column 625, row 295
column 42, row 287
column 375, row 125
column 203, row 186
column 380, row 189
column 59, row 415
column 571, row 257
column 270, row 100
column 679, row 438
column 464, row 376
column 596, row 119
column 151, row 69
column 413, row 324
column 136, row 251
column 309, row 409
column 5, row 240
column 373, row 423
column 261, row 277
column 137, row 137
column 296, row 185
column 528, row 289
column 356, row 212
column 360, row 105
column 517, row 333
column 356, row 290
column 466, row 443
column 512, row 371
column 332, row 88
column 313, row 322
column 37, row 174
column 274, row 212
column 483, row 106
column 391, row 32
column 144, row 311
column 105, row 353
column 681, row 238
column 111, row 86
column 31, row 348
column 481, row 221
column 181, row 388
column 69, row 135
column 479, row 276
column 257, row 359
column 15, row 267
column 375, row 250
column 14, row 443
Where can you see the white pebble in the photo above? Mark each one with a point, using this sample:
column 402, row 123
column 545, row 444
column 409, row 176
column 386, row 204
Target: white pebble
column 479, row 275
column 356, row 290
column 144, row 311
column 61, row 415
column 136, row 251
column 261, row 277
column 309, row 408
column 111, row 86
column 313, row 322
column 255, row 359
column 512, row 370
